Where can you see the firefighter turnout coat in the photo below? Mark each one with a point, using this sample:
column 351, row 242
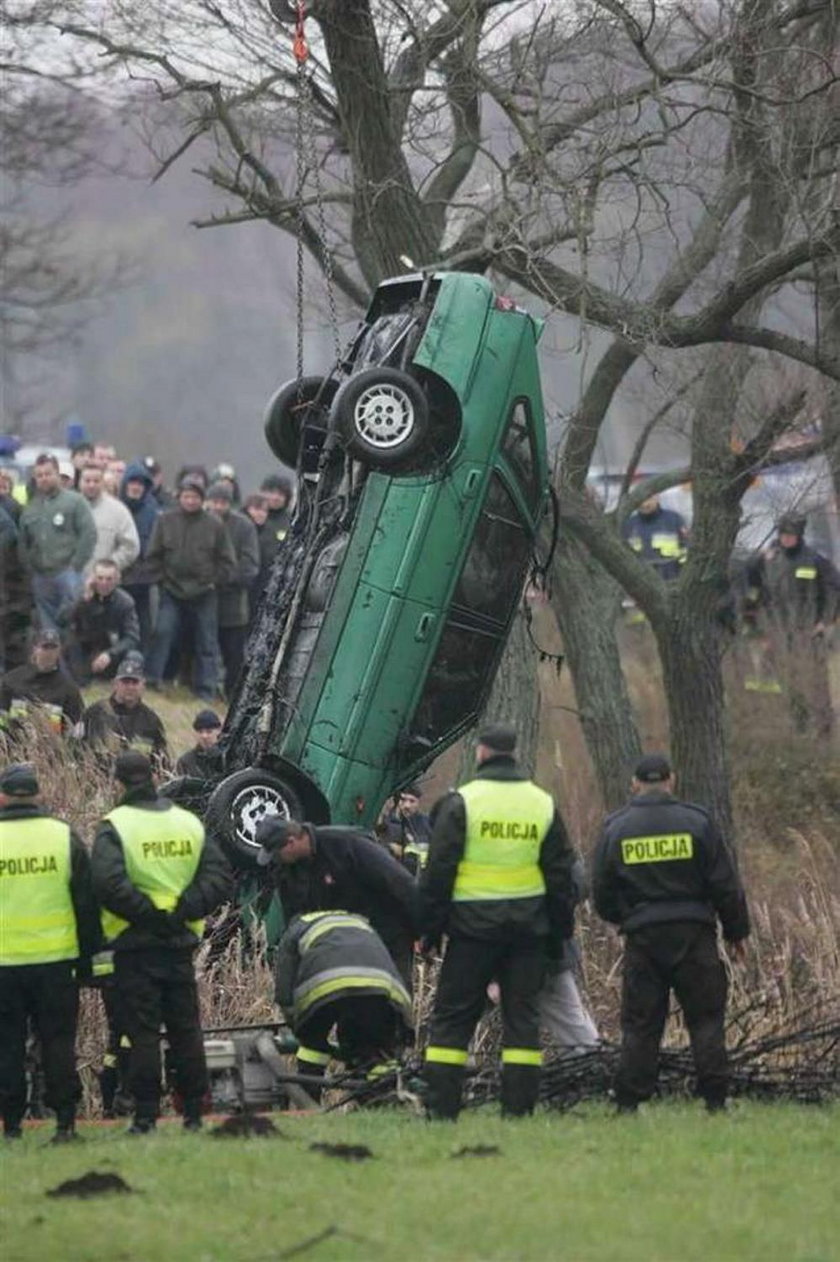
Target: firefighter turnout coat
column 325, row 956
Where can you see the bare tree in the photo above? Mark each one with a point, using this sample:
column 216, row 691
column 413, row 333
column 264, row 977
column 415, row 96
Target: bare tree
column 661, row 175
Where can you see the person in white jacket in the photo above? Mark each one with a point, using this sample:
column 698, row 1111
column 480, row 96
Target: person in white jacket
column 116, row 534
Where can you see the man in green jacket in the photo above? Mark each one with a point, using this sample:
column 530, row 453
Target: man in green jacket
column 57, row 536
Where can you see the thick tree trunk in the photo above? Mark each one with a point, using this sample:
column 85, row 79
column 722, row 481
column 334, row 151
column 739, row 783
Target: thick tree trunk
column 691, row 647
column 586, row 603
column 389, row 221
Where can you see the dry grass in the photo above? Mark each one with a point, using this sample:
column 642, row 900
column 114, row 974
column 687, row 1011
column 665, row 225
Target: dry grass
column 787, row 795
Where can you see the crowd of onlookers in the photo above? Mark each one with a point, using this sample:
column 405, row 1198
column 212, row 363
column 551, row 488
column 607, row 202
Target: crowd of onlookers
column 108, row 574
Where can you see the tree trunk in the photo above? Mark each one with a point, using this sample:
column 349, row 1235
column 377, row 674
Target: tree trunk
column 690, row 647
column 389, row 221
column 586, row 603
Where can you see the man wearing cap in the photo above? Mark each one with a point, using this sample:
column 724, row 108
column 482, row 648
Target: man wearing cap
column 234, row 603
column 124, row 721
column 41, row 687
column 499, row 884
column 57, row 539
column 49, row 929
column 794, row 593
column 203, row 761
column 191, row 557
column 333, row 969
column 327, row 867
column 664, row 875
column 277, row 492
column 157, row 876
column 407, row 830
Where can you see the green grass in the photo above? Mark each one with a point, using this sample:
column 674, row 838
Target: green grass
column 670, row 1184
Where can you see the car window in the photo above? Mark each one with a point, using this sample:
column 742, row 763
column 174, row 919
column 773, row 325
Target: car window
column 518, row 448
column 456, row 680
column 491, row 580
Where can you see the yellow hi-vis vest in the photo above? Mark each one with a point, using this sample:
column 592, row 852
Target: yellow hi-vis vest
column 507, row 821
column 161, row 851
column 37, row 919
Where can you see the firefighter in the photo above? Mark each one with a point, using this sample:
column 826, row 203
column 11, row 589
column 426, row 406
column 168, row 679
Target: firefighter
column 325, row 868
column 498, row 883
column 664, row 875
column 157, row 876
column 795, row 596
column 406, row 830
column 49, row 930
column 333, row 969
column 659, row 536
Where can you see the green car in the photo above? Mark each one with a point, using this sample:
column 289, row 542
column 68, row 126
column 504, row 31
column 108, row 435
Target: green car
column 423, row 478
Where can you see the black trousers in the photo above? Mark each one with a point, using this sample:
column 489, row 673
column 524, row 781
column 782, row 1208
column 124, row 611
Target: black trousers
column 232, row 641
column 48, row 996
column 157, row 987
column 470, row 964
column 682, row 957
column 368, row 1029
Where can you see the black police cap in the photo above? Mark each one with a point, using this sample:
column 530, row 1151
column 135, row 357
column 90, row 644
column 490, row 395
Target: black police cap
column 498, row 736
column 652, row 769
column 19, row 781
column 272, row 833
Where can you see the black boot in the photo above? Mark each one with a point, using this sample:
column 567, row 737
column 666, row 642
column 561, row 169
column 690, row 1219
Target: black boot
column 192, row 1114
column 142, row 1126
column 520, row 1089
column 444, row 1084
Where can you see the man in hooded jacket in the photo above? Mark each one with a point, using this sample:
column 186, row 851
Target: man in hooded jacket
column 137, row 493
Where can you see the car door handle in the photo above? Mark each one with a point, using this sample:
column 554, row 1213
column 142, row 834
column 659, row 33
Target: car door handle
column 424, row 626
column 471, row 482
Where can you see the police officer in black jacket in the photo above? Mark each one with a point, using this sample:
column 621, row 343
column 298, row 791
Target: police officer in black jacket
column 328, row 868
column 499, row 883
column 157, row 875
column 664, row 875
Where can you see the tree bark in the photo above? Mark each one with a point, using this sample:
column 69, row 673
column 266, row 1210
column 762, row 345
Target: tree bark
column 586, row 602
column 514, row 698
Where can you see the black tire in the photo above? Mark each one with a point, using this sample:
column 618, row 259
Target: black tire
column 237, row 805
column 289, row 409
column 383, row 416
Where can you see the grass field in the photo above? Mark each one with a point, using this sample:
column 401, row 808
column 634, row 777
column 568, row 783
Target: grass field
column 670, row 1185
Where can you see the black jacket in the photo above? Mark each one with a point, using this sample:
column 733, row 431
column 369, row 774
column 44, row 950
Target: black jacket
column 795, row 588
column 234, row 605
column 85, row 907
column 190, row 554
column 109, row 726
column 201, row 764
column 638, row 893
column 106, row 625
column 349, row 871
column 148, row 927
column 550, row 914
column 49, row 688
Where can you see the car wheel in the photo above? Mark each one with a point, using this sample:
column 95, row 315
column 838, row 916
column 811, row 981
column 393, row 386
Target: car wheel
column 238, row 804
column 295, row 405
column 383, row 416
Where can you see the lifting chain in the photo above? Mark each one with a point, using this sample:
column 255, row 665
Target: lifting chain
column 305, row 144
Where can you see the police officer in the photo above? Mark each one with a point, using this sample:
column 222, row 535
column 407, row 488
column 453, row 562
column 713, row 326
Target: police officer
column 498, row 882
column 333, row 969
column 156, row 876
column 49, row 928
column 664, row 875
